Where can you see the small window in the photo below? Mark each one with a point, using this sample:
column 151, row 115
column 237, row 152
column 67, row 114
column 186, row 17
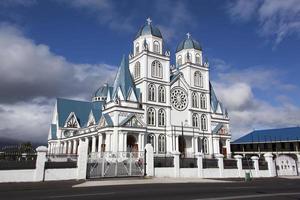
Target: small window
column 156, row 47
column 161, row 94
column 151, row 116
column 205, row 146
column 161, row 143
column 137, row 70
column 188, row 57
column 161, row 117
column 151, row 92
column 198, row 79
column 203, row 101
column 179, row 60
column 204, row 122
column 137, row 49
column 156, row 69
column 198, row 59
column 195, row 102
column 195, row 120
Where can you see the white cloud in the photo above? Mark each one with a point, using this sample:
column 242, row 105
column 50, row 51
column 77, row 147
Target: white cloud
column 32, row 76
column 247, row 111
column 277, row 19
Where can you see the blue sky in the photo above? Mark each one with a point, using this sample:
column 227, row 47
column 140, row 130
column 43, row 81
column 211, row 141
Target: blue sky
column 252, row 46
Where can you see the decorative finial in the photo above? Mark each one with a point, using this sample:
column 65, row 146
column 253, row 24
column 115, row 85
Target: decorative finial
column 188, row 35
column 149, row 20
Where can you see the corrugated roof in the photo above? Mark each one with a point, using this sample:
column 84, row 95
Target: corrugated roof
column 270, row 135
column 81, row 109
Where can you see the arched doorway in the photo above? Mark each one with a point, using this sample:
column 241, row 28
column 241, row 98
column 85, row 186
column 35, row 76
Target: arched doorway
column 182, row 144
column 131, row 143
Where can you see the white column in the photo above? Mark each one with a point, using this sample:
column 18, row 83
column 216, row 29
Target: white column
column 200, row 164
column 65, row 147
column 108, row 138
column 193, row 144
column 125, row 141
column 74, row 146
column 94, row 144
column 69, row 147
column 120, row 141
column 228, row 149
column 256, row 165
column 149, row 160
column 176, row 155
column 220, row 158
column 176, row 143
column 100, row 140
column 239, row 164
column 196, row 145
column 271, row 165
column 142, row 141
column 40, row 163
column 82, row 158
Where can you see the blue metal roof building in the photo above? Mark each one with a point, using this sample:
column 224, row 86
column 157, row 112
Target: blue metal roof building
column 270, row 136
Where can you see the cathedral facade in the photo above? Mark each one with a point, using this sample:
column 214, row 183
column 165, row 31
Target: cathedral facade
column 172, row 107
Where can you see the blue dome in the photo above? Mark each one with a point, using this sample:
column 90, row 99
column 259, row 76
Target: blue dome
column 102, row 91
column 188, row 43
column 148, row 29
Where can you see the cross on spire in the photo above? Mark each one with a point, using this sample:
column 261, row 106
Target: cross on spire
column 149, row 20
column 188, row 35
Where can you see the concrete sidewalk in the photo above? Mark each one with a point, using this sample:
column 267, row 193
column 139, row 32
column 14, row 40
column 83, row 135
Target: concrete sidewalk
column 137, row 181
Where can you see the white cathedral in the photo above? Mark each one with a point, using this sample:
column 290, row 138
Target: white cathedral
column 172, row 107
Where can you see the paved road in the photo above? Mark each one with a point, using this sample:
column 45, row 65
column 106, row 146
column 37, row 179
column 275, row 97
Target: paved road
column 273, row 188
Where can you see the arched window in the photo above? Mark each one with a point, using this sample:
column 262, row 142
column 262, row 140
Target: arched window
column 137, row 70
column 151, row 140
column 198, row 79
column 203, row 101
column 151, row 116
column 151, row 92
column 195, row 102
column 188, row 57
column 137, row 48
column 198, row 59
column 161, row 117
column 161, row 143
column 161, row 94
column 156, row 48
column 179, row 60
column 203, row 122
column 156, row 69
column 205, row 145
column 195, row 120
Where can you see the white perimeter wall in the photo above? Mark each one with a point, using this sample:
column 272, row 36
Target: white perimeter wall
column 60, row 174
column 24, row 175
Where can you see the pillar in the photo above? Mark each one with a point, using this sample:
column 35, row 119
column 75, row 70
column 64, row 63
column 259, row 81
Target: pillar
column 93, row 144
column 256, row 165
column 271, row 164
column 142, row 141
column 199, row 157
column 69, row 147
column 100, row 140
column 149, row 160
column 196, row 145
column 125, row 141
column 228, row 148
column 176, row 155
column 239, row 164
column 82, row 158
column 108, row 138
column 176, row 143
column 220, row 158
column 74, row 146
column 65, row 147
column 40, row 163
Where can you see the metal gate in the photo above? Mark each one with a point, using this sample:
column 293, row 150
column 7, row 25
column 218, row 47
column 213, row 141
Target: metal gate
column 115, row 164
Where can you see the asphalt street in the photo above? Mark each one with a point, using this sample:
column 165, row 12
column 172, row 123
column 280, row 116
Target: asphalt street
column 271, row 188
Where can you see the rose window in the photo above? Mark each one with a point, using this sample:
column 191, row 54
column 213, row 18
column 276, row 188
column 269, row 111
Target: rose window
column 179, row 98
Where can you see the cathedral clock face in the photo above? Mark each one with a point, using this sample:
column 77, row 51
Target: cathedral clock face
column 179, row 98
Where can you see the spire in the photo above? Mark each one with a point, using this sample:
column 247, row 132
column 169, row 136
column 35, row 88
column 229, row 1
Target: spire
column 123, row 80
column 149, row 20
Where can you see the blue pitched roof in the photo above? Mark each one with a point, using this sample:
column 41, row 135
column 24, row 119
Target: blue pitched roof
column 53, row 132
column 123, row 79
column 213, row 98
column 271, row 135
column 81, row 109
column 188, row 43
column 149, row 29
column 108, row 119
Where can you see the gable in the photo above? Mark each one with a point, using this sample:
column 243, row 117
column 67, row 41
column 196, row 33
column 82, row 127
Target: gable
column 132, row 121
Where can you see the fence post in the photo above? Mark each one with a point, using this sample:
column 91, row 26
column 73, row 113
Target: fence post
column 176, row 155
column 271, row 165
column 256, row 165
column 40, row 163
column 298, row 164
column 199, row 157
column 220, row 158
column 149, row 160
column 82, row 158
column 239, row 164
